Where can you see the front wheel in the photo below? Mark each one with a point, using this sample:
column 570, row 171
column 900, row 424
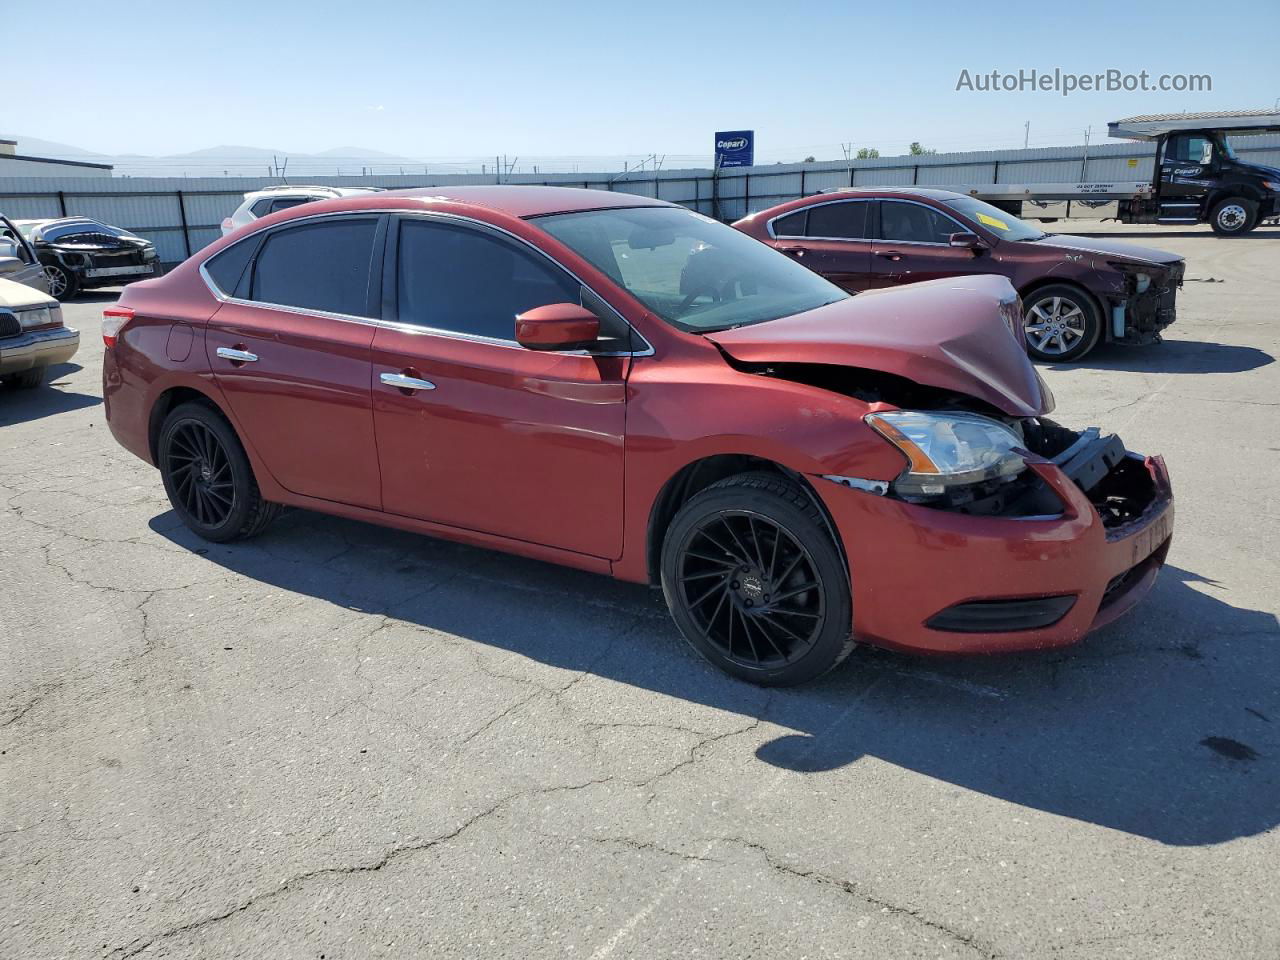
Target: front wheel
column 63, row 284
column 208, row 477
column 1234, row 216
column 1062, row 323
column 755, row 583
column 27, row 379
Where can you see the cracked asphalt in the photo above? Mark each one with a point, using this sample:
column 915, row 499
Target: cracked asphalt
column 340, row 741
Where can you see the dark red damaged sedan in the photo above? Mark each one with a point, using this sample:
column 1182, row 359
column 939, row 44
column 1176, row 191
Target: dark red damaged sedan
column 624, row 386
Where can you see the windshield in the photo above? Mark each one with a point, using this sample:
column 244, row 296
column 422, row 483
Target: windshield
column 1004, row 225
column 697, row 274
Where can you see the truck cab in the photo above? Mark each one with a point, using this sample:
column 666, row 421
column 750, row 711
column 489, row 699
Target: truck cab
column 1198, row 176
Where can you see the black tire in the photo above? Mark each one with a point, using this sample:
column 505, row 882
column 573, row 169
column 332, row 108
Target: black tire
column 771, row 521
column 27, row 379
column 1063, row 323
column 1234, row 217
column 63, row 284
column 208, row 477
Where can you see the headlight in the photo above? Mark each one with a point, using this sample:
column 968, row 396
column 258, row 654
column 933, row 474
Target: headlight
column 1143, row 281
column 947, row 450
column 1271, row 185
column 39, row 317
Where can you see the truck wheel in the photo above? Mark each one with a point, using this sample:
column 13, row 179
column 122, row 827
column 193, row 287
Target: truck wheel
column 1234, row 216
column 27, row 379
column 1062, row 322
column 63, row 284
column 755, row 582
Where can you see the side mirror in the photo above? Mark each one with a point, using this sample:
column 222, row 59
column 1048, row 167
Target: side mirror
column 970, row 241
column 557, row 326
column 9, row 248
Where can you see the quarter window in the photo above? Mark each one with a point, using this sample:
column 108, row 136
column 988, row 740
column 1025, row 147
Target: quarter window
column 465, row 280
column 841, row 221
column 915, row 223
column 317, row 266
column 792, row 225
column 227, row 267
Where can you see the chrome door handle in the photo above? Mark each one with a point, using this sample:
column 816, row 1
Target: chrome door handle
column 239, row 356
column 400, row 381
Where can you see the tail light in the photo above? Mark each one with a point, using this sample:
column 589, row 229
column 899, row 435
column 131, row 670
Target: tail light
column 113, row 321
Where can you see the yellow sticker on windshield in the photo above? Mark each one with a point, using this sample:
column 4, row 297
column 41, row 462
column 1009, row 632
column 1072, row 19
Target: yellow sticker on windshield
column 993, row 222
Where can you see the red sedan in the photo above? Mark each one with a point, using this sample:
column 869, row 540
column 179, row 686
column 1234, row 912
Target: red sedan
column 624, row 386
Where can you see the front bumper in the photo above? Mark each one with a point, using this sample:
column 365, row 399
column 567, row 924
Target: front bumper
column 909, row 564
column 39, row 348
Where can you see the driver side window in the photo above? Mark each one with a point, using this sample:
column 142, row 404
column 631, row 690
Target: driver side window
column 463, row 280
column 1187, row 149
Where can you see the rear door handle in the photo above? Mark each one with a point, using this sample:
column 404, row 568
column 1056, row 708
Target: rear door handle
column 889, row 254
column 237, row 356
column 403, row 382
column 794, row 251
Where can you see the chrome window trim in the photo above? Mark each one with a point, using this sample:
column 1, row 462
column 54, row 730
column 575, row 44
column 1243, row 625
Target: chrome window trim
column 413, row 328
column 810, row 206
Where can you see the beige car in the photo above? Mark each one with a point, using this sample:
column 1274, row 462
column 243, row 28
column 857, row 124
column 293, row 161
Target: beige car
column 32, row 335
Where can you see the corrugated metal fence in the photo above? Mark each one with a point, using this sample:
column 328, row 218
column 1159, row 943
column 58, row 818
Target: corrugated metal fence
column 181, row 215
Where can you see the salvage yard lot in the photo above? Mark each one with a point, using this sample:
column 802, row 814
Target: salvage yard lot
column 344, row 741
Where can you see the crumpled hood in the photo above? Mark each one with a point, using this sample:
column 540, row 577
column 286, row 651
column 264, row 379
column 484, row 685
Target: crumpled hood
column 951, row 334
column 1110, row 248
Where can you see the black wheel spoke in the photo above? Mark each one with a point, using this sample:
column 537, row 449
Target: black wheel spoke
column 729, row 584
column 199, row 469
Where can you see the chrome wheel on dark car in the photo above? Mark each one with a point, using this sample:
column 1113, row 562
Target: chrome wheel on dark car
column 208, row 477
column 755, row 583
column 1061, row 324
column 62, row 285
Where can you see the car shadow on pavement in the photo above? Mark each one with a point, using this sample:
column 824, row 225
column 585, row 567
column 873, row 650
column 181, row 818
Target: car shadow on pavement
column 1173, row 356
column 21, row 406
column 1165, row 725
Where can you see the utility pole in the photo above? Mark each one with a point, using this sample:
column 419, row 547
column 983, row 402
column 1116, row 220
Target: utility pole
column 1084, row 164
column 1026, row 137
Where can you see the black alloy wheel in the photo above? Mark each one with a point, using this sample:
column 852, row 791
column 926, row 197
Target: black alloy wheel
column 208, row 477
column 755, row 583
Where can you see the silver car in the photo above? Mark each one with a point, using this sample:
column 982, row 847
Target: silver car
column 18, row 261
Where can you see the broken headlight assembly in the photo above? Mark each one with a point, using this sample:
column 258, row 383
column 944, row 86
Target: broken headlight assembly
column 949, row 452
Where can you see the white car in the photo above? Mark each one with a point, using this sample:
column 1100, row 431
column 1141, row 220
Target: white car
column 33, row 337
column 259, row 203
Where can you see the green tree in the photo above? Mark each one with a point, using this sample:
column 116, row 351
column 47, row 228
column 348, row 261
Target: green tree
column 918, row 151
column 809, row 159
column 867, row 153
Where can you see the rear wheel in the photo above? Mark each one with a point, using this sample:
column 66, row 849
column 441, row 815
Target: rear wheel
column 1062, row 323
column 208, row 477
column 755, row 583
column 63, row 284
column 1234, row 216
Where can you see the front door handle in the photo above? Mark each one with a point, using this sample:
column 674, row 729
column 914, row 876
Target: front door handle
column 889, row 254
column 237, row 356
column 403, row 382
column 793, row 251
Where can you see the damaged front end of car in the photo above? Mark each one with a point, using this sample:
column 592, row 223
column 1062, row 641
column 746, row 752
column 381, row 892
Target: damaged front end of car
column 1144, row 302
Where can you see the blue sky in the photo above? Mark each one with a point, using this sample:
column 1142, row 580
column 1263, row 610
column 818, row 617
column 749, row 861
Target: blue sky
column 465, row 80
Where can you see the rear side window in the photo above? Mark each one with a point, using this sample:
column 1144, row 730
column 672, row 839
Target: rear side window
column 467, row 281
column 284, row 203
column 317, row 266
column 792, row 225
column 227, row 267
column 841, row 221
column 915, row 223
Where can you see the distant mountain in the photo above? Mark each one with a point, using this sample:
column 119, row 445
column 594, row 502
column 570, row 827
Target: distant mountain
column 228, row 160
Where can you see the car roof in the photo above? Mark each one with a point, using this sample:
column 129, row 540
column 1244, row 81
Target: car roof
column 927, row 192
column 520, row 200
